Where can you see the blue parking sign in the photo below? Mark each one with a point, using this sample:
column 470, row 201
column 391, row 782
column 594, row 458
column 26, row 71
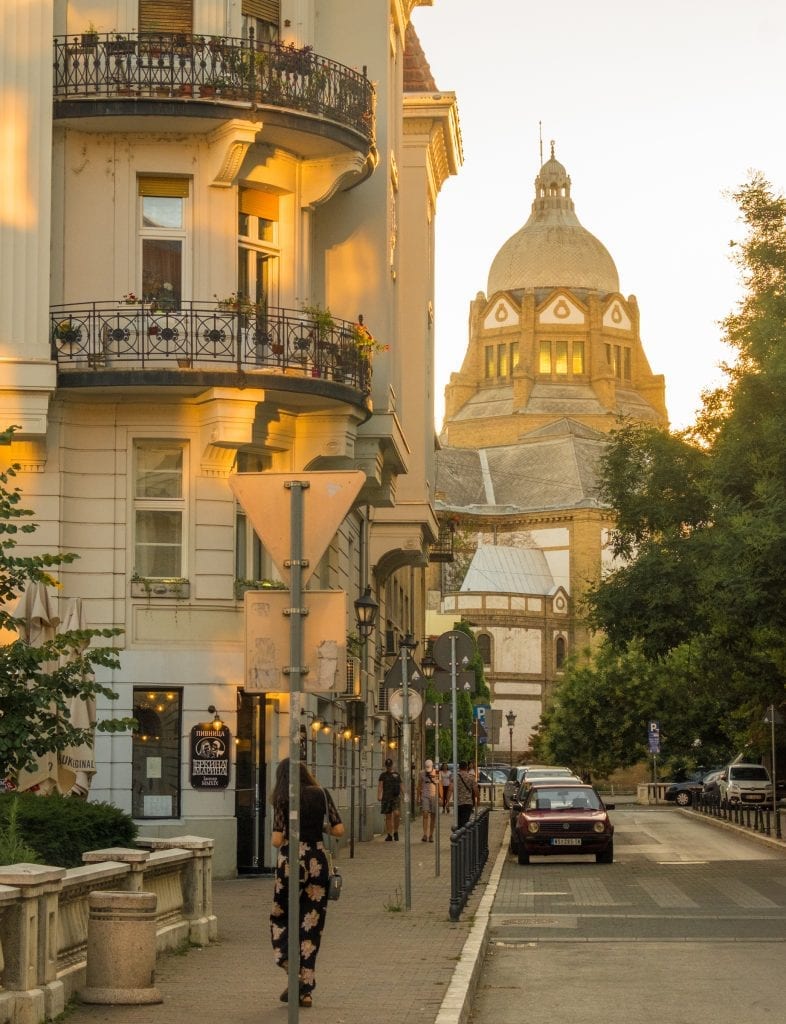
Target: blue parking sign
column 653, row 736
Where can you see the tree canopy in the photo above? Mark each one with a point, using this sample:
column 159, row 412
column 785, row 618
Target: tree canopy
column 693, row 613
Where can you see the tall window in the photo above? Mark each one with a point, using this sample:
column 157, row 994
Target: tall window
column 263, row 16
column 162, row 239
column 159, row 509
column 257, row 257
column 489, row 354
column 560, row 648
column 155, row 767
column 502, row 360
column 544, row 357
column 514, row 355
column 561, row 358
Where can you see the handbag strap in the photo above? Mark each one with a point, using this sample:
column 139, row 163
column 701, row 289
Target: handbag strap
column 332, row 848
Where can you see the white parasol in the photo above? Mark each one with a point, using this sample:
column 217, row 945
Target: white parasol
column 37, row 623
column 77, row 764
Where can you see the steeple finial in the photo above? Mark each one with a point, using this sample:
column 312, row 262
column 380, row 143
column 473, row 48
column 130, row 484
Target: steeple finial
column 552, row 149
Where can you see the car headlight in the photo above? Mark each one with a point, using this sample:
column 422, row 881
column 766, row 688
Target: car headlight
column 599, row 826
column 533, row 826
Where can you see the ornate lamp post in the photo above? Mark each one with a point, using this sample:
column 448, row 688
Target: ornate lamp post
column 366, row 609
column 510, row 718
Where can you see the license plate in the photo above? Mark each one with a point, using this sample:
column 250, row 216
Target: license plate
column 566, row 842
column 755, row 796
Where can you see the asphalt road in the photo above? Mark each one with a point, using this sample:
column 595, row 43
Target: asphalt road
column 688, row 925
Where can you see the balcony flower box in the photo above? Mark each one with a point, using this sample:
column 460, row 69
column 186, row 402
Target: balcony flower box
column 148, row 586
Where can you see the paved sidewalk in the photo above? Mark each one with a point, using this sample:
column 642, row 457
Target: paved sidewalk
column 376, row 962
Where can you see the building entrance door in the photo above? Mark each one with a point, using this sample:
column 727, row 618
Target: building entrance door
column 250, row 782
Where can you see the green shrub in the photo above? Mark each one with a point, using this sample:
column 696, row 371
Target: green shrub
column 61, row 829
column 13, row 848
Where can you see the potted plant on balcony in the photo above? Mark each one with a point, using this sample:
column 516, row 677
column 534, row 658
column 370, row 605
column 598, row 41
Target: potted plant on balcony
column 120, row 44
column 242, row 585
column 90, row 37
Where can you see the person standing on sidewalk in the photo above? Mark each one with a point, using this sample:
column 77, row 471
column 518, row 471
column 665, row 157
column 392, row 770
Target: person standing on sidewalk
column 389, row 796
column 446, row 786
column 428, row 798
column 315, row 804
column 466, row 793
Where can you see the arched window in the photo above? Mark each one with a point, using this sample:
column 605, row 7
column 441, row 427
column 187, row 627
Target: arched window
column 484, row 648
column 559, row 652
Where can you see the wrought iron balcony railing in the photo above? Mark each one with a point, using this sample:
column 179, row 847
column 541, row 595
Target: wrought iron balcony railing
column 203, row 335
column 93, row 66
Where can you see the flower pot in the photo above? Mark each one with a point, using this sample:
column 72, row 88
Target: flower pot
column 277, row 349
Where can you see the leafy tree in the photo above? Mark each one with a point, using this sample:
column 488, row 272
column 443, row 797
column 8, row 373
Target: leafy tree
column 37, row 684
column 700, row 590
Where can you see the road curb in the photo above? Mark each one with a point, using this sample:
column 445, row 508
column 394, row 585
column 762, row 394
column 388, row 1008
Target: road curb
column 729, row 826
column 456, row 1003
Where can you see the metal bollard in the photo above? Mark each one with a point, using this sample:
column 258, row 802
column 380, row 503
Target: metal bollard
column 121, row 949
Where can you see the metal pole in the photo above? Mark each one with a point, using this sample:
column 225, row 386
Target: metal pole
column 352, row 800
column 407, row 758
column 510, row 730
column 775, row 817
column 453, row 683
column 296, row 670
column 439, row 802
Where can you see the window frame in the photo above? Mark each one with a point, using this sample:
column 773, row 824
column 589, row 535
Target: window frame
column 170, row 776
column 183, row 234
column 143, row 503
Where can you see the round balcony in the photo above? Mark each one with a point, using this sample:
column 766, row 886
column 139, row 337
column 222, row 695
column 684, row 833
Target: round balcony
column 208, row 344
column 305, row 100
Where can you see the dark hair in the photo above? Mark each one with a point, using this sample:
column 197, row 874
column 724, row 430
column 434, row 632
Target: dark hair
column 280, row 795
column 388, row 762
column 463, row 765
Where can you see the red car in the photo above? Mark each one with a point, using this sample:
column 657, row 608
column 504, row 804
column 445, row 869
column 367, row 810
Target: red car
column 565, row 818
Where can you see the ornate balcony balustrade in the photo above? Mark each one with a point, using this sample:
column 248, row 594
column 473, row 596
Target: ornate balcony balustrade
column 200, row 335
column 213, row 70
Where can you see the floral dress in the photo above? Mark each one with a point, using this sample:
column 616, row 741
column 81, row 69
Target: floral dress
column 313, row 864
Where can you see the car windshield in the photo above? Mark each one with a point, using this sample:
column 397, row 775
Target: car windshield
column 748, row 773
column 562, row 800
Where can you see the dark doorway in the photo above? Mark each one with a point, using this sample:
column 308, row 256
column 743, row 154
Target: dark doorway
column 250, row 783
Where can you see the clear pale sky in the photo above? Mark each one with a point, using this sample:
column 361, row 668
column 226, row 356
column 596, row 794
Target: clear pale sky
column 658, row 111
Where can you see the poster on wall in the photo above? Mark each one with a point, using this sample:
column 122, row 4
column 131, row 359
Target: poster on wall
column 210, row 752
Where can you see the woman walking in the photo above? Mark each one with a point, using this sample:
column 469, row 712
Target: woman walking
column 315, row 804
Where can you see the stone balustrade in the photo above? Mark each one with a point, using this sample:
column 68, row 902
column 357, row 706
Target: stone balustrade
column 44, row 916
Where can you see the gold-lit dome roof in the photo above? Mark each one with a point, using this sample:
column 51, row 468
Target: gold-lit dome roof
column 553, row 250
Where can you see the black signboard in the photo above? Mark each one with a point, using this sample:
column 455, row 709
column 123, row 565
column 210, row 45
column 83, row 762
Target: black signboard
column 210, row 752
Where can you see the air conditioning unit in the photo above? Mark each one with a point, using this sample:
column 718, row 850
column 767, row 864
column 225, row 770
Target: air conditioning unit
column 352, row 688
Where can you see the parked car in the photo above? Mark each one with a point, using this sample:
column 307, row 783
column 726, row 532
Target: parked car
column 496, row 776
column 745, row 783
column 709, row 784
column 684, row 792
column 534, row 778
column 517, row 775
column 558, row 818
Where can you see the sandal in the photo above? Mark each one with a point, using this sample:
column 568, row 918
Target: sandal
column 305, row 999
column 284, row 997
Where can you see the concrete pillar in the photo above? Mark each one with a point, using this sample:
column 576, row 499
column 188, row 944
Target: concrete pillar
column 28, row 940
column 197, row 883
column 121, row 949
column 135, row 859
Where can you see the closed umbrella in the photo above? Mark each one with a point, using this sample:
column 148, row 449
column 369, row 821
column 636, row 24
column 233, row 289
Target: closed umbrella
column 37, row 623
column 77, row 765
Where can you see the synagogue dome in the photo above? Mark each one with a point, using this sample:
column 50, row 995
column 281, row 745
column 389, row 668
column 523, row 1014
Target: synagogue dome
column 553, row 250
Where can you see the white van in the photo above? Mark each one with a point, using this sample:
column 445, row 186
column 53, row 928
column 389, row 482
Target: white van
column 746, row 784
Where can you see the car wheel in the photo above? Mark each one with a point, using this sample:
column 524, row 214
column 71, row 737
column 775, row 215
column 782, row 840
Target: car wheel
column 683, row 799
column 606, row 856
column 523, row 857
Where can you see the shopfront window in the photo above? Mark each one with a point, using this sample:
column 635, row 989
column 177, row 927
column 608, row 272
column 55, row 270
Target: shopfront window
column 155, row 772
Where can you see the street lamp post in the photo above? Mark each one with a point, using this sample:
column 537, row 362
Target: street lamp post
column 428, row 667
column 510, row 718
column 407, row 647
column 366, row 609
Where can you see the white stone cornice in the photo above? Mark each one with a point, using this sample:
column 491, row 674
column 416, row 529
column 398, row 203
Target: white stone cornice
column 434, row 118
column 323, row 178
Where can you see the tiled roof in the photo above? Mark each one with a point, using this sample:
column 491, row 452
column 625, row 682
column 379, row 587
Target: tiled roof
column 417, row 73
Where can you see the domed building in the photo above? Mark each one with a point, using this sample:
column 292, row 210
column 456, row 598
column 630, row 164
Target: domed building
column 554, row 360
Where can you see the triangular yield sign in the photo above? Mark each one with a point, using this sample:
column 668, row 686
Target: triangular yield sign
column 267, row 502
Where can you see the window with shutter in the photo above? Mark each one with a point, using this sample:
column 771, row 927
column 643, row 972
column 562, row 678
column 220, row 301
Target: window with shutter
column 166, row 16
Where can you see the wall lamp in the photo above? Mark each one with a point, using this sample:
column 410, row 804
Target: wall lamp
column 217, row 723
column 366, row 609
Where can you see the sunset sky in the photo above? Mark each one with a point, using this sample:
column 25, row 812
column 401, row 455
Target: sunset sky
column 658, row 111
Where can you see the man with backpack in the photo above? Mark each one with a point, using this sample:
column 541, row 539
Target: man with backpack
column 389, row 796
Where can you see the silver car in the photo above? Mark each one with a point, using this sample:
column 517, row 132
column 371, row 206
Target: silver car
column 517, row 775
